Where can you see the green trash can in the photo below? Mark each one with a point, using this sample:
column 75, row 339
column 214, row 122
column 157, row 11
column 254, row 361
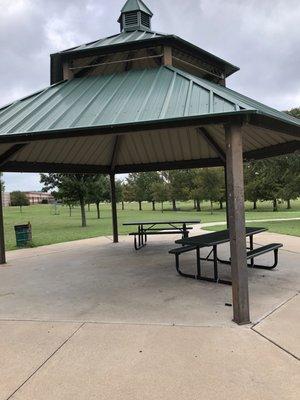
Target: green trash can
column 23, row 234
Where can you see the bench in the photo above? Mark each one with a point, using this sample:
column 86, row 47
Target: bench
column 263, row 250
column 180, row 250
column 156, row 231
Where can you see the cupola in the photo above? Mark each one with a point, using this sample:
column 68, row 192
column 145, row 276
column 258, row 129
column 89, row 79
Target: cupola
column 135, row 15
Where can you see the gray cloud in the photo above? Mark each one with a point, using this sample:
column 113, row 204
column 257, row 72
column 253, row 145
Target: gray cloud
column 259, row 36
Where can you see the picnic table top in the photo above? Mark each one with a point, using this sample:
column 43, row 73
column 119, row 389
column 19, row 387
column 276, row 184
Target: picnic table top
column 162, row 222
column 214, row 238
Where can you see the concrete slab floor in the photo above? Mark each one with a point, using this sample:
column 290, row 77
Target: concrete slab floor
column 158, row 362
column 95, row 280
column 283, row 326
column 134, row 298
column 25, row 346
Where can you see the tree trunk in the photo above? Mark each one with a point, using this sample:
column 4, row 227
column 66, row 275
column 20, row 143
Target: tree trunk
column 70, row 211
column 140, row 206
column 83, row 216
column 89, row 207
column 153, row 206
column 275, row 208
column 162, row 206
column 221, row 205
column 289, row 204
column 174, row 205
column 123, row 206
column 195, row 205
column 211, row 208
column 255, row 205
column 21, row 209
column 198, row 205
column 98, row 210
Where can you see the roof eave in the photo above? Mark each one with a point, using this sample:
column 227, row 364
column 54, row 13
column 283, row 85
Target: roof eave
column 242, row 116
column 271, row 122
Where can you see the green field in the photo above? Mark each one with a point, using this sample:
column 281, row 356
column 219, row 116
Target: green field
column 284, row 227
column 49, row 228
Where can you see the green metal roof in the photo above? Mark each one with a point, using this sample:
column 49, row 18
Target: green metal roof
column 135, row 5
column 121, row 38
column 163, row 93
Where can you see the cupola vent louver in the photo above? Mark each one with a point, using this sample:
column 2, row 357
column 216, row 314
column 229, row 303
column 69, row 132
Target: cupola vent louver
column 135, row 15
column 145, row 20
column 131, row 19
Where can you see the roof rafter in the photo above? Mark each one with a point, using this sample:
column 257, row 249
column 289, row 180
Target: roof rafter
column 11, row 152
column 115, row 152
column 212, row 143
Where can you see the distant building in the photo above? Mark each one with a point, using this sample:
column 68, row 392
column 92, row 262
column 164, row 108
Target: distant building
column 39, row 197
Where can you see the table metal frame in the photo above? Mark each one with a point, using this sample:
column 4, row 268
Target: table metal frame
column 212, row 240
column 149, row 227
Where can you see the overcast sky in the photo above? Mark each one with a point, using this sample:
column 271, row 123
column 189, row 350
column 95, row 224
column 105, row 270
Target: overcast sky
column 259, row 36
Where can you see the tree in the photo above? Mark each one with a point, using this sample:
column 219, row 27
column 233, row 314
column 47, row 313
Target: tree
column 139, row 186
column 120, row 193
column 2, row 183
column 180, row 185
column 19, row 199
column 270, row 180
column 196, row 192
column 160, row 192
column 98, row 190
column 74, row 187
column 252, row 183
column 294, row 112
column 290, row 170
column 210, row 185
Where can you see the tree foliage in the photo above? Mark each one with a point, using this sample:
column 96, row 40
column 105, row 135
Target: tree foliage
column 69, row 187
column 138, row 186
column 98, row 190
column 19, row 199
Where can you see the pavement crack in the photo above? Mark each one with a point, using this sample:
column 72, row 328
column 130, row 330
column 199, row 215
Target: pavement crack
column 44, row 362
column 267, row 316
column 275, row 344
column 274, row 310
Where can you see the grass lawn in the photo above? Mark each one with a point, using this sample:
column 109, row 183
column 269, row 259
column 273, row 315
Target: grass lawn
column 49, row 228
column 284, row 227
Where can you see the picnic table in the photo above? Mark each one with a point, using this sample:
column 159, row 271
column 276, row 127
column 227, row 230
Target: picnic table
column 145, row 228
column 213, row 240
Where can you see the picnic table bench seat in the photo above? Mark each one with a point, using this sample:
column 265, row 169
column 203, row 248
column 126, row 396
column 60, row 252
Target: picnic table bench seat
column 157, row 232
column 259, row 251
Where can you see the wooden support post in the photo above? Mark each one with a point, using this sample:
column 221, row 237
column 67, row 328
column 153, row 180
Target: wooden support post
column 236, row 208
column 167, row 58
column 67, row 73
column 226, row 197
column 114, row 208
column 2, row 238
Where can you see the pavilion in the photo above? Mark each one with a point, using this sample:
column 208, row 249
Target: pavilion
column 142, row 101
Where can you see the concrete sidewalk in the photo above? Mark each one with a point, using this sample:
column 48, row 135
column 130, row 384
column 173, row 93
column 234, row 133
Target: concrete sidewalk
column 90, row 319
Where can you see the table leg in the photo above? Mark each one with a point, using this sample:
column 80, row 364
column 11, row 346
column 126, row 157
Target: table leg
column 251, row 248
column 198, row 263
column 142, row 235
column 216, row 275
column 185, row 232
column 139, row 235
